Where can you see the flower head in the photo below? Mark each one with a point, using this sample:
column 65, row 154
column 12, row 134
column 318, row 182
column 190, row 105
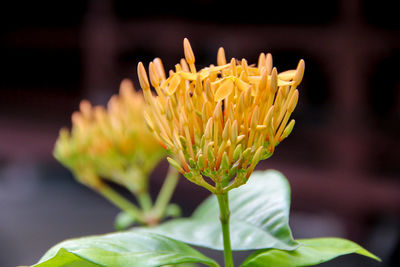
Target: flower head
column 113, row 143
column 220, row 121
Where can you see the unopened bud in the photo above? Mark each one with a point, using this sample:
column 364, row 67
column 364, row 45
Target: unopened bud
column 299, row 72
column 189, row 103
column 236, row 164
column 245, row 67
column 221, row 59
column 268, row 63
column 183, row 141
column 241, row 103
column 86, row 109
column 288, row 129
column 208, row 130
column 176, row 140
column 247, row 97
column 261, row 60
column 274, row 81
column 233, row 67
column 234, row 132
column 154, row 79
column 237, row 152
column 240, row 138
column 268, row 117
column 200, row 161
column 264, row 79
column 210, row 154
column 143, row 80
column 160, row 68
column 148, row 121
column 225, row 132
column 257, row 155
column 175, row 164
column 293, row 101
column 254, row 119
column 126, row 89
column 224, row 161
column 188, row 51
column 218, row 111
column 246, row 153
column 184, row 65
column 198, row 86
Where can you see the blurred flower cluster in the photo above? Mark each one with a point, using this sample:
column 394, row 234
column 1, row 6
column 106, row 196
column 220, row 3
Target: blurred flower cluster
column 220, row 121
column 112, row 143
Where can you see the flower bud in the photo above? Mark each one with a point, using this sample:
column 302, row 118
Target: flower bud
column 237, row 152
column 221, row 59
column 143, row 80
column 188, row 51
column 225, row 161
column 175, row 164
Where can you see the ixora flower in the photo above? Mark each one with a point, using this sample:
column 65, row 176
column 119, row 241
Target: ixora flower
column 220, row 121
column 112, row 143
column 217, row 123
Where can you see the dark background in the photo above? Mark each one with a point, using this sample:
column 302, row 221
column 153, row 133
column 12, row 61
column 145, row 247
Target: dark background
column 342, row 159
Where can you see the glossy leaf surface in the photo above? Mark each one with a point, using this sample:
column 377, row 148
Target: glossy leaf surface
column 311, row 252
column 122, row 249
column 259, row 217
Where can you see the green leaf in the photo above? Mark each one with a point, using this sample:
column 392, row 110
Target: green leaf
column 122, row 249
column 311, row 252
column 259, row 217
column 124, row 220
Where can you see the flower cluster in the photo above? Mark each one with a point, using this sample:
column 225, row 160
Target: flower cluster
column 112, row 143
column 220, row 121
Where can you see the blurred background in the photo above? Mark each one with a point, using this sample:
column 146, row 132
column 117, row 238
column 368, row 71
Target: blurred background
column 342, row 160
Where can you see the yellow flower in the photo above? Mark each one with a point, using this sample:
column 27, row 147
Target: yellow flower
column 113, row 143
column 220, row 121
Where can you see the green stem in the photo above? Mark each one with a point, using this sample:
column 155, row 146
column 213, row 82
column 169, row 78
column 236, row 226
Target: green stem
column 136, row 181
column 166, row 192
column 145, row 200
column 223, row 202
column 120, row 201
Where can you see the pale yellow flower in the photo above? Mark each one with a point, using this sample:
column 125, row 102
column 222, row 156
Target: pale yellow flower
column 220, row 121
column 113, row 143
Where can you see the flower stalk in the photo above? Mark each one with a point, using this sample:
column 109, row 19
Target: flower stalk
column 223, row 202
column 121, row 202
column 167, row 189
column 145, row 201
